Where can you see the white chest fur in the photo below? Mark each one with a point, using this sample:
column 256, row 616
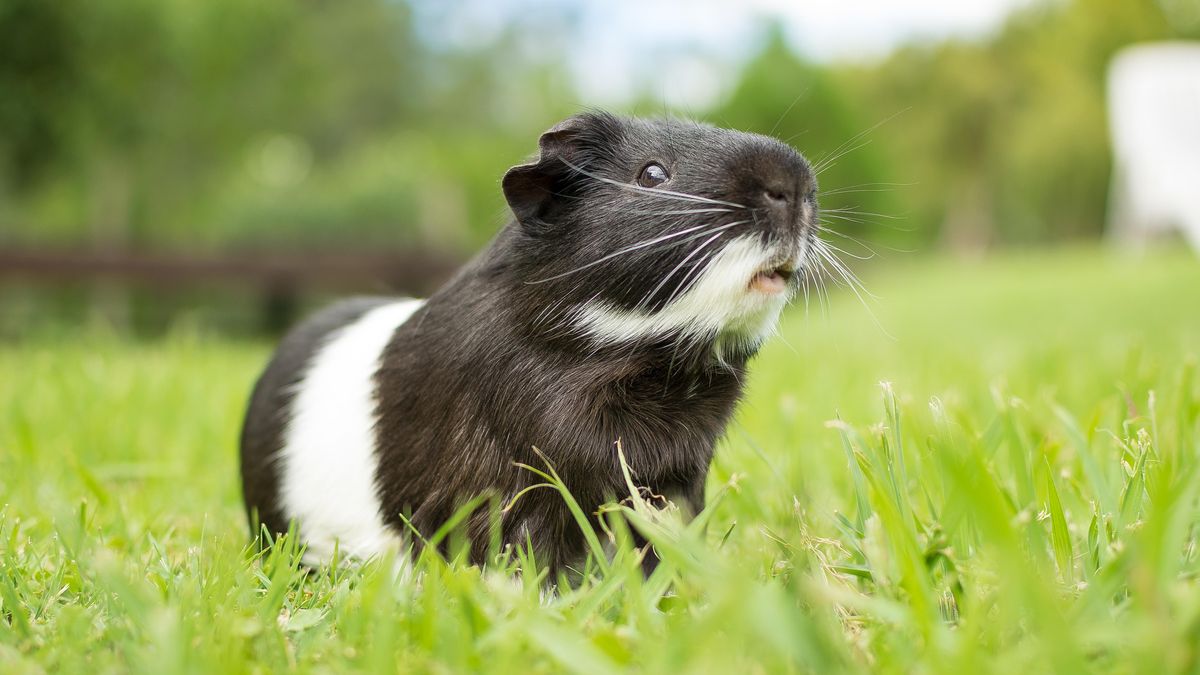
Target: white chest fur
column 328, row 460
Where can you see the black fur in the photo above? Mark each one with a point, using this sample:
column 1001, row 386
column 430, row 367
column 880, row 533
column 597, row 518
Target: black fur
column 490, row 368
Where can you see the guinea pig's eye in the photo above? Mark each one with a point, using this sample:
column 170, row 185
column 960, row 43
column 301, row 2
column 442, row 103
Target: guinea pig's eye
column 652, row 174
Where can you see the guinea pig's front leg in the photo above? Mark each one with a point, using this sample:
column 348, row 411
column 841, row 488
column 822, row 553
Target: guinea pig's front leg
column 687, row 497
column 541, row 520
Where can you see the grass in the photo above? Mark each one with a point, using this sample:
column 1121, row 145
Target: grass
column 1020, row 496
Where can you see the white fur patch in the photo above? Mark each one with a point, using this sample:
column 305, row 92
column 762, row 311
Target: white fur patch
column 328, row 460
column 719, row 304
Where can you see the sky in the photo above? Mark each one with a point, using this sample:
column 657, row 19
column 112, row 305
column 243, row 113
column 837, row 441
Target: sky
column 687, row 52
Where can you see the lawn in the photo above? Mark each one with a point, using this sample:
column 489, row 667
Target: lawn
column 997, row 471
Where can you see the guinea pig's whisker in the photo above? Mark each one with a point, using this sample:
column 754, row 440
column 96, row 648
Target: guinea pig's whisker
column 678, row 213
column 825, row 227
column 855, row 212
column 823, row 166
column 842, row 150
column 864, row 243
column 818, row 275
column 699, row 265
column 851, row 279
column 848, row 279
column 641, row 245
column 865, row 187
column 690, row 276
column 666, row 194
column 805, row 274
column 828, row 160
column 875, row 219
column 856, row 240
column 610, row 256
column 852, row 282
column 843, row 217
column 823, row 291
column 852, row 255
column 678, row 267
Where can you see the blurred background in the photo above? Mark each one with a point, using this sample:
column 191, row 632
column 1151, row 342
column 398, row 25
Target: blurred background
column 229, row 163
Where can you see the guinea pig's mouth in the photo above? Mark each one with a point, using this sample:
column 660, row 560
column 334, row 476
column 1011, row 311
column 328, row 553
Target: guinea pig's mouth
column 773, row 279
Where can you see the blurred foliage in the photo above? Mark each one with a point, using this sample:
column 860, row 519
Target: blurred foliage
column 1006, row 140
column 274, row 124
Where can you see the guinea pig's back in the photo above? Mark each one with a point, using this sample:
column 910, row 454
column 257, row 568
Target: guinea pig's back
column 308, row 441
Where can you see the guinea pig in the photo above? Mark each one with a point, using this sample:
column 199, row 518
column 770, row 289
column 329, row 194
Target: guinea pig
column 645, row 263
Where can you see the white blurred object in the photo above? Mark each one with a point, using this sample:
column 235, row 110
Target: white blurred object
column 1154, row 118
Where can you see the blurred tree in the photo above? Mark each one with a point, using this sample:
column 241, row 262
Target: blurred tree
column 1054, row 161
column 38, row 76
column 943, row 145
column 304, row 123
column 151, row 105
column 780, row 94
column 1008, row 142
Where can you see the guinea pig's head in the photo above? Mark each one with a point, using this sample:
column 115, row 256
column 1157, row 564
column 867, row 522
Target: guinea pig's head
column 634, row 230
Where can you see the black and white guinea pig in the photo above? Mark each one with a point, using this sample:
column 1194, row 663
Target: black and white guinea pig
column 646, row 262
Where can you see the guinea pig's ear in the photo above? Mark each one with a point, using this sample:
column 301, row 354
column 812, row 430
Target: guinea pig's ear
column 530, row 187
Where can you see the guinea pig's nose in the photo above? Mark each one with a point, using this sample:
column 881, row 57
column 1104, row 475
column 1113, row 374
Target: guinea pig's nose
column 776, row 197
